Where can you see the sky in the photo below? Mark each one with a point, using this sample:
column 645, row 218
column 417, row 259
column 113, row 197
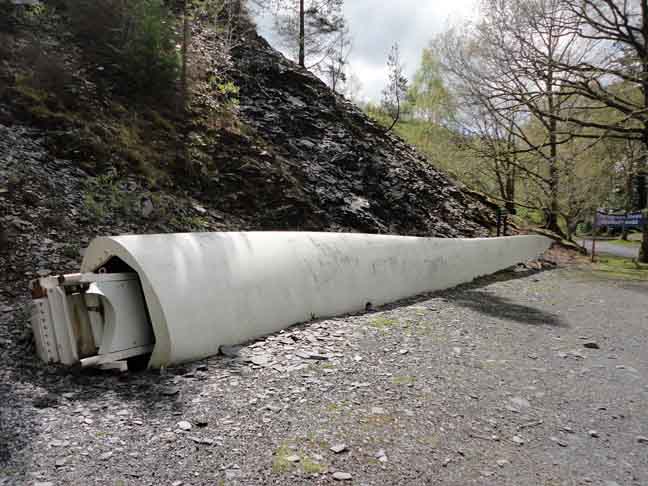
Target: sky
column 376, row 25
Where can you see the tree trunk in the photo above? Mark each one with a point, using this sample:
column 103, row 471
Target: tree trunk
column 554, row 177
column 184, row 81
column 554, row 181
column 396, row 118
column 643, row 251
column 302, row 35
column 186, row 38
column 572, row 225
column 510, row 190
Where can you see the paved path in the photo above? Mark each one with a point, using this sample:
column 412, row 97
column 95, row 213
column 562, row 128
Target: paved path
column 491, row 384
column 605, row 247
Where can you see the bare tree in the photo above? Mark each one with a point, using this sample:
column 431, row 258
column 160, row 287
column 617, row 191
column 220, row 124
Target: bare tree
column 395, row 93
column 611, row 73
column 309, row 28
column 335, row 68
column 507, row 64
column 352, row 87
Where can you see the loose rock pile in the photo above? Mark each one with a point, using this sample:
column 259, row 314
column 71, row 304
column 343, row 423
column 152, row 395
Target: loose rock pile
column 351, row 173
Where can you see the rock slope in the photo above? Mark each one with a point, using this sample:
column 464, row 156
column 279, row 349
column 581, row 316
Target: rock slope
column 352, row 175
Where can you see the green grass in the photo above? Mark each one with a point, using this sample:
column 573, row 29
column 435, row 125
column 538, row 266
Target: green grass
column 306, row 465
column 404, row 380
column 619, row 268
column 382, row 322
column 311, row 467
column 281, row 464
column 633, row 243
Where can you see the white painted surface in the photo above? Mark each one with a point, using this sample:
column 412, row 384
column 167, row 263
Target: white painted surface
column 204, row 290
column 42, row 324
column 123, row 314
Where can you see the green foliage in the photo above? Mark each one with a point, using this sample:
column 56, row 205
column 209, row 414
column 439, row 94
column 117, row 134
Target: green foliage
column 618, row 268
column 394, row 96
column 382, row 322
column 630, row 243
column 404, row 380
column 229, row 93
column 149, row 56
column 104, row 195
column 532, row 216
column 70, row 251
column 12, row 15
column 428, row 97
column 311, row 467
column 134, row 41
column 442, row 146
column 280, row 464
column 228, row 89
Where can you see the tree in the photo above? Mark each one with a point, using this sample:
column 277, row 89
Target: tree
column 335, row 68
column 507, row 63
column 134, row 41
column 352, row 88
column 428, row 95
column 394, row 94
column 310, row 29
column 612, row 73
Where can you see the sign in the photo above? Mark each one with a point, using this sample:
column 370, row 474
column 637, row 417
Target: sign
column 629, row 220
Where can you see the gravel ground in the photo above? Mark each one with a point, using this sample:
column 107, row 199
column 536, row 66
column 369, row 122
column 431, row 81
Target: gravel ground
column 526, row 378
column 607, row 248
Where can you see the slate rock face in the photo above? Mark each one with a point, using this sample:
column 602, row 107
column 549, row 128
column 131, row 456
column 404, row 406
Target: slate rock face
column 352, row 176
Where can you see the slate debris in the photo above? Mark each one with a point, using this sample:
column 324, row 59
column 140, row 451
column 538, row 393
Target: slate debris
column 342, row 476
column 351, row 173
column 338, row 448
column 395, row 432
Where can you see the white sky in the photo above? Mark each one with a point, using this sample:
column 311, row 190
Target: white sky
column 375, row 25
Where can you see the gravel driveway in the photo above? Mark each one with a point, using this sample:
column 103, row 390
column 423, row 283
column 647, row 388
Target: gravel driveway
column 520, row 379
column 607, row 248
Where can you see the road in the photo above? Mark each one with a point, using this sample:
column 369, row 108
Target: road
column 521, row 379
column 607, row 248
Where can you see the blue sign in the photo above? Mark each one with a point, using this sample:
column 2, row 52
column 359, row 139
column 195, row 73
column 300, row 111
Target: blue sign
column 629, row 220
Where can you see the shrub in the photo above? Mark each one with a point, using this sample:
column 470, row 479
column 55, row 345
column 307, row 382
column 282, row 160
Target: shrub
column 133, row 40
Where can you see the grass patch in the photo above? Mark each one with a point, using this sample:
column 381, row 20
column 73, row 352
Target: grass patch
column 382, row 322
column 311, row 467
column 430, row 440
column 404, row 380
column 633, row 243
column 306, row 465
column 619, row 268
column 373, row 421
column 281, row 464
column 335, row 407
column 332, row 407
